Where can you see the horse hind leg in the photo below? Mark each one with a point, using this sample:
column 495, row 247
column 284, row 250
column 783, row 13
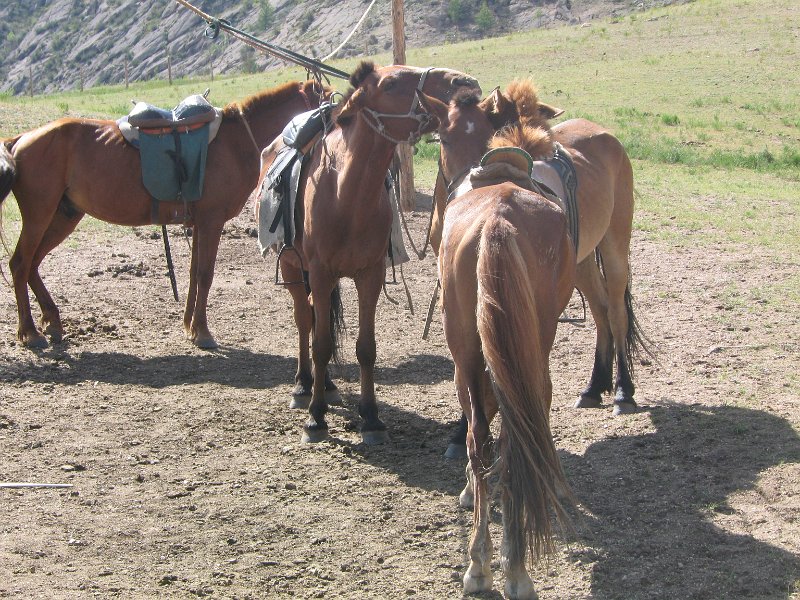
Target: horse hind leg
column 478, row 577
column 205, row 238
column 35, row 226
column 616, row 269
column 64, row 222
column 590, row 281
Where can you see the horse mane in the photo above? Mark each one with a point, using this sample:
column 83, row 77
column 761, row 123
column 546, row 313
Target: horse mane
column 465, row 98
column 536, row 141
column 532, row 131
column 523, row 94
column 364, row 69
column 270, row 97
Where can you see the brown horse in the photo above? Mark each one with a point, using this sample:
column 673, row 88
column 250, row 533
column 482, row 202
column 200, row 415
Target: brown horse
column 507, row 269
column 344, row 224
column 72, row 167
column 605, row 207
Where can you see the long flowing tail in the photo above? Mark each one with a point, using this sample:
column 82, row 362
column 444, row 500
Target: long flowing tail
column 508, row 323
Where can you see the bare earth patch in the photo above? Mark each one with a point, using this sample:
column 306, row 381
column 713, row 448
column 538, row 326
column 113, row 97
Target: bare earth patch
column 189, row 478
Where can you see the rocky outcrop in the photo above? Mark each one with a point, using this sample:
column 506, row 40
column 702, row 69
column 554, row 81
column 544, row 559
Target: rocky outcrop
column 66, row 44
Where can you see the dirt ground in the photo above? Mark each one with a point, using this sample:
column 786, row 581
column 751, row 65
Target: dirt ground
column 189, row 479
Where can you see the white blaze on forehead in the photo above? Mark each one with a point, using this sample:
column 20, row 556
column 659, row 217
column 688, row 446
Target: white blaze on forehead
column 470, row 127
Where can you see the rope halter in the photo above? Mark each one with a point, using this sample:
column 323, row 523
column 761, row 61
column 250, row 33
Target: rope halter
column 416, row 113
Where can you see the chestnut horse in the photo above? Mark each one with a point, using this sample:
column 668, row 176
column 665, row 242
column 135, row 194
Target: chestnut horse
column 72, row 167
column 507, row 270
column 605, row 208
column 345, row 220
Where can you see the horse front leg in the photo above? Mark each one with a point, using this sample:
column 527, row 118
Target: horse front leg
column 191, row 292
column 368, row 285
column 316, row 428
column 206, row 241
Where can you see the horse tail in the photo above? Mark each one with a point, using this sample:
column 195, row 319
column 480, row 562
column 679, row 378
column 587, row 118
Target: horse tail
column 8, row 168
column 337, row 323
column 508, row 323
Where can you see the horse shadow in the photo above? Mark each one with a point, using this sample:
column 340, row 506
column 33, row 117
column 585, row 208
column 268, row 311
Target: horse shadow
column 653, row 500
column 232, row 367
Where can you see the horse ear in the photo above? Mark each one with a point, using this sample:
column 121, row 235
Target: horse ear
column 549, row 112
column 352, row 105
column 499, row 109
column 435, row 107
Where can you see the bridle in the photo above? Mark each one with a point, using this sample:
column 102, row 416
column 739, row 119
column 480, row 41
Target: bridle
column 423, row 118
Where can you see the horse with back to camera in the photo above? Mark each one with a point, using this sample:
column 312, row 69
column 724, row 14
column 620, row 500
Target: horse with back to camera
column 343, row 220
column 604, row 199
column 73, row 167
column 507, row 270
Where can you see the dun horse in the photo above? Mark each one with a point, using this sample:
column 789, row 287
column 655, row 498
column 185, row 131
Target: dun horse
column 605, row 209
column 72, row 167
column 344, row 223
column 507, row 269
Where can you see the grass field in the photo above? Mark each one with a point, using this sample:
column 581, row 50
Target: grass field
column 704, row 96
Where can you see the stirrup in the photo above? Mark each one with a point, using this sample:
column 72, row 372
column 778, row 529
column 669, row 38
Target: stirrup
column 578, row 321
column 278, row 266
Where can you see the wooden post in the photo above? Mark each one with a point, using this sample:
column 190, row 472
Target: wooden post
column 30, row 80
column 169, row 68
column 126, row 72
column 408, row 195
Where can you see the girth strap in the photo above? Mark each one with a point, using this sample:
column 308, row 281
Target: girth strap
column 562, row 163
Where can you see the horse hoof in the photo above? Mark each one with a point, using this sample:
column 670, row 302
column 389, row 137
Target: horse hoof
column 628, row 407
column 34, row 341
column 456, row 451
column 333, row 398
column 522, row 589
column 55, row 334
column 300, row 401
column 466, row 499
column 205, row 342
column 586, row 401
column 314, row 436
column 374, row 437
column 476, row 584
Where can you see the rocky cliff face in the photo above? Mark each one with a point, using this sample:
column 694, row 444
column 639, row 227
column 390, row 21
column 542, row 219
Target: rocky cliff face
column 66, row 44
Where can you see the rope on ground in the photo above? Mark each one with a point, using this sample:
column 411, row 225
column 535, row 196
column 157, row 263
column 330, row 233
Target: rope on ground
column 347, row 39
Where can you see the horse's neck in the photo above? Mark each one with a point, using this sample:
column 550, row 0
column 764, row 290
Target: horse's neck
column 267, row 122
column 368, row 156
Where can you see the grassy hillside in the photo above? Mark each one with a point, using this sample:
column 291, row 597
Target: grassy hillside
column 703, row 95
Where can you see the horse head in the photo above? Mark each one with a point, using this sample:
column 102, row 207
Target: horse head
column 387, row 97
column 469, row 126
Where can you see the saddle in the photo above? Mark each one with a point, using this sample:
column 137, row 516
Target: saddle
column 516, row 166
column 173, row 145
